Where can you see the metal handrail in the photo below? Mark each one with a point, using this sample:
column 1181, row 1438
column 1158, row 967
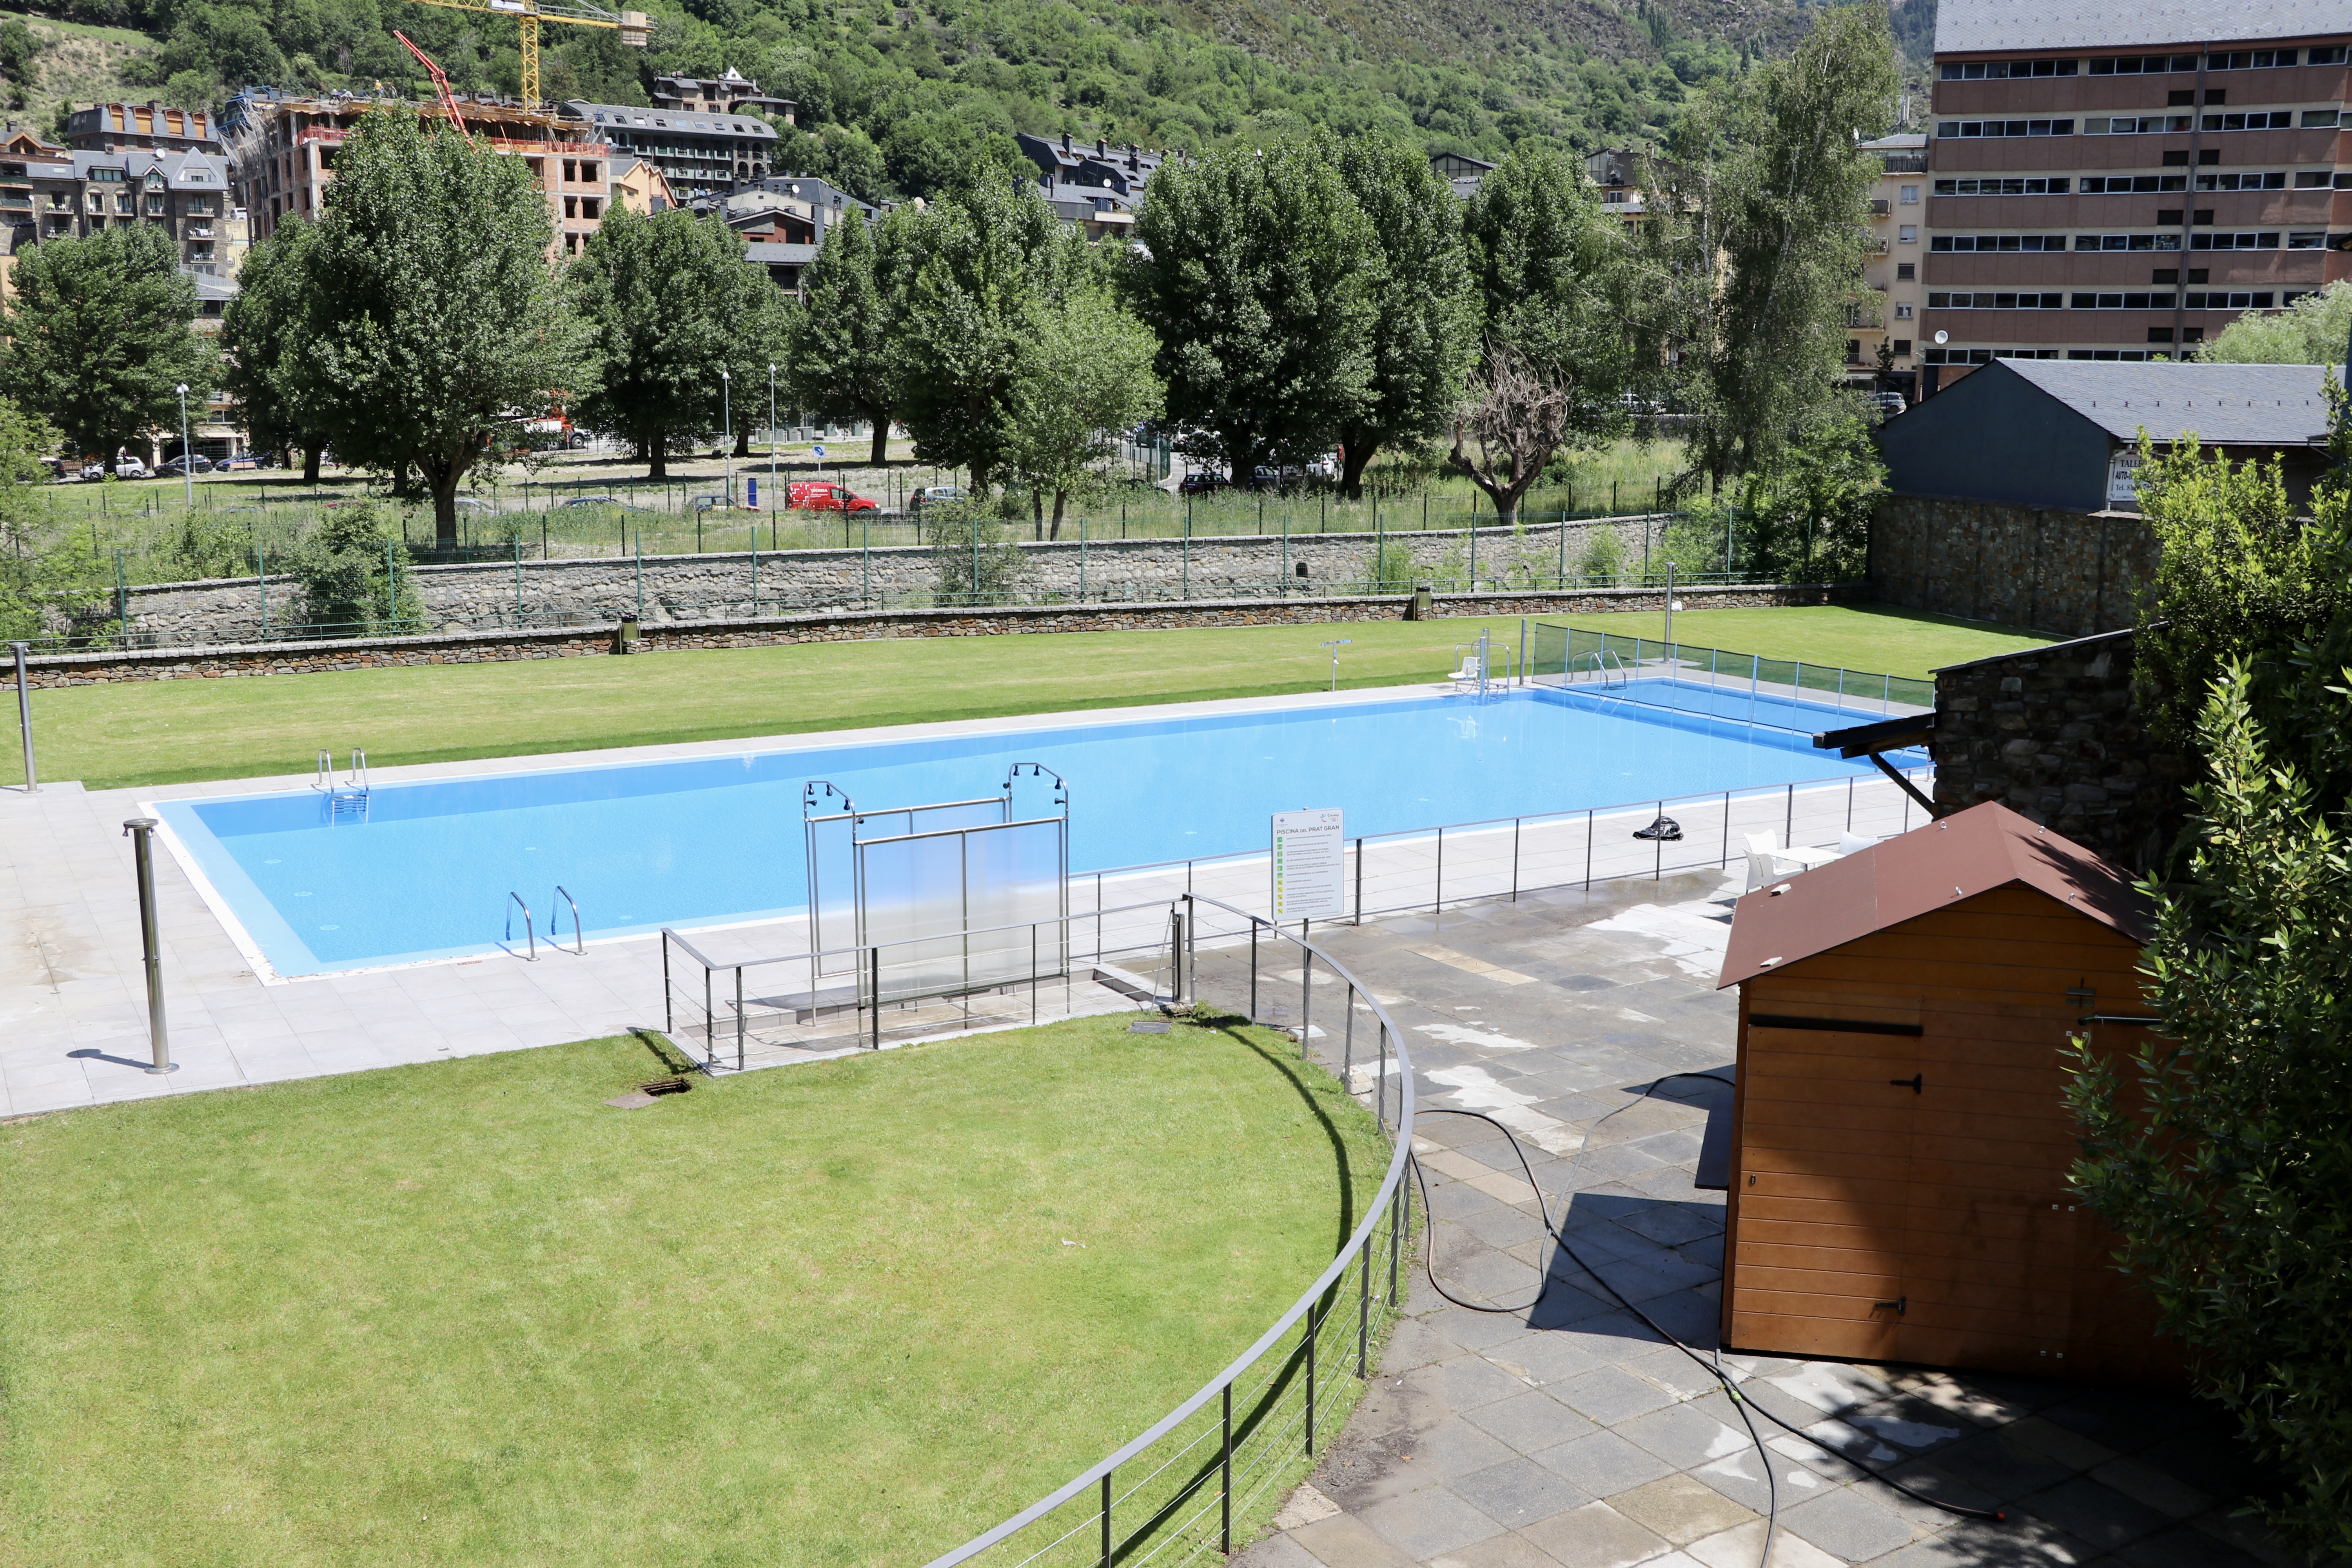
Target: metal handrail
column 326, row 779
column 514, row 901
column 1376, row 1214
column 579, row 938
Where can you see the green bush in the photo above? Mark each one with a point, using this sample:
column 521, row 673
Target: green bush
column 1603, row 560
column 975, row 557
column 355, row 574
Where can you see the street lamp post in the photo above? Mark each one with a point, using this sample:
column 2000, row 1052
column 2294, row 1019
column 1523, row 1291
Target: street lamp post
column 772, row 497
column 187, row 456
column 726, row 427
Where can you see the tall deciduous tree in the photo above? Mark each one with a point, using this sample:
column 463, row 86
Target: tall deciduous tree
column 1085, row 372
column 837, row 354
column 669, row 301
column 261, row 346
column 976, row 268
column 1757, row 221
column 99, row 336
column 1547, row 273
column 1256, row 269
column 1425, row 328
column 2315, row 330
column 434, row 327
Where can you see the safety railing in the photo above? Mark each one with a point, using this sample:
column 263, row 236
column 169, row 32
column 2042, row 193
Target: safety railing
column 1784, row 693
column 1208, row 1473
column 1513, row 857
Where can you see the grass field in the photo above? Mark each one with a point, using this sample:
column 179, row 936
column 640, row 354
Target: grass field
column 170, row 731
column 850, row 1312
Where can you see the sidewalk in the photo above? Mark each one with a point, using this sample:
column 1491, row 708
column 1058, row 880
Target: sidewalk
column 1570, row 1435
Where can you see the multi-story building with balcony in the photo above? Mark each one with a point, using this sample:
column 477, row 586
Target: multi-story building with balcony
column 285, row 150
column 1883, row 324
column 147, row 127
column 1094, row 188
column 701, row 152
column 2122, row 183
column 48, row 192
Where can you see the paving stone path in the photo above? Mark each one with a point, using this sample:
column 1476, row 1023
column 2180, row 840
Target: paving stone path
column 1570, row 1435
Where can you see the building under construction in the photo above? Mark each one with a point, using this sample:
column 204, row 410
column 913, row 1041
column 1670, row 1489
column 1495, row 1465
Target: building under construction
column 283, row 149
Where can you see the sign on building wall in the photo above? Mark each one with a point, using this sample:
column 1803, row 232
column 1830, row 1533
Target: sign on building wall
column 1309, row 855
column 2123, row 469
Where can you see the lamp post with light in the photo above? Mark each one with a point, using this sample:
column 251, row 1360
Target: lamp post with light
column 772, row 438
column 726, row 427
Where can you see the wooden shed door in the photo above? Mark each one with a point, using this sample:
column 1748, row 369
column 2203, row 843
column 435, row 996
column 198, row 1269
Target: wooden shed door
column 1994, row 1237
column 1829, row 1114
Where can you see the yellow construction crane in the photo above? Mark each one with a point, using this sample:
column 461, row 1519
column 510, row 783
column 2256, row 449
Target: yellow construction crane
column 635, row 28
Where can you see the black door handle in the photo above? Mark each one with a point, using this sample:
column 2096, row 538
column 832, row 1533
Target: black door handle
column 1916, row 1083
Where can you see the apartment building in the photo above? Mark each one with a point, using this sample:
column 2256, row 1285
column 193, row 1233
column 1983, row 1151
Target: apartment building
column 703, row 151
column 728, row 93
column 48, row 192
column 1095, row 188
column 2122, row 183
column 285, row 152
column 147, row 127
column 1883, row 325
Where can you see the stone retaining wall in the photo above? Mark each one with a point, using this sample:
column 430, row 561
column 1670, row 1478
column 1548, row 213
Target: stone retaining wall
column 579, row 642
column 477, row 596
column 2064, row 574
column 2054, row 733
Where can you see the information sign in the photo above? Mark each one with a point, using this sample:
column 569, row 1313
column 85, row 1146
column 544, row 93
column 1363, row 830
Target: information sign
column 1309, row 862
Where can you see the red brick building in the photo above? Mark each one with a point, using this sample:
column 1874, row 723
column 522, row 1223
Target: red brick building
column 2123, row 182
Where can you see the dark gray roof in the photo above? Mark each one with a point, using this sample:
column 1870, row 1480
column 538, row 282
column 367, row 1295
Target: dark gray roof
column 774, row 253
column 2226, row 405
column 1987, row 27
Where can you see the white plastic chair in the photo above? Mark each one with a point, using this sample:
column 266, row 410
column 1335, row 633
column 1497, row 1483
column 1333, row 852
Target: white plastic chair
column 1763, row 865
column 1469, row 673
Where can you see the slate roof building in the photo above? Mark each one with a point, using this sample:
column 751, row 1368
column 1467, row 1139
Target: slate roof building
column 702, row 151
column 1096, row 189
column 2122, row 182
column 2042, row 433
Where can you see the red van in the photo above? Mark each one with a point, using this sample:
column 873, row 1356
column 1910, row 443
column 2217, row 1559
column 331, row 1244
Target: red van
column 820, row 495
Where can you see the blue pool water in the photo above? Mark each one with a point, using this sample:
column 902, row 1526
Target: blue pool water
column 645, row 844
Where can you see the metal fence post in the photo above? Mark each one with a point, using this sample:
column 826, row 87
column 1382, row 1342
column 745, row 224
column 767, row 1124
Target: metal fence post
column 1439, row 905
column 1106, row 1519
column 738, row 1011
column 25, row 722
column 1225, row 1502
column 670, row 1020
column 1788, row 821
column 141, row 830
column 1726, row 829
column 1399, row 1215
column 874, row 975
column 1588, row 850
column 1310, row 1379
column 1305, row 998
column 1515, row 859
column 1360, row 872
column 1364, row 1311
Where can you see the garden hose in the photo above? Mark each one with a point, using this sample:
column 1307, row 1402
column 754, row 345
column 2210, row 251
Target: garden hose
column 1715, row 1368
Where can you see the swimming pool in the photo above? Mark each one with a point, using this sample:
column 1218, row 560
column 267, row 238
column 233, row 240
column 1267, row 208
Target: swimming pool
column 713, row 840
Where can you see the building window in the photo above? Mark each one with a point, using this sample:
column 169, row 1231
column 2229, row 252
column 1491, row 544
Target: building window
column 2126, row 185
column 1907, row 272
column 1908, row 234
column 2318, row 119
column 2159, row 334
column 571, row 172
column 2137, row 125
column 570, row 244
column 2001, row 70
column 2219, row 299
column 2233, row 241
column 2123, row 302
column 1852, row 356
column 155, row 204
column 125, row 203
column 572, row 206
column 2143, row 65
column 2000, row 301
column 538, row 167
column 2134, row 242
column 1902, row 348
column 1973, row 127
column 588, row 173
column 2316, row 240
column 1902, row 310
column 2278, row 120
column 2017, row 242
column 1910, row 195
column 591, row 207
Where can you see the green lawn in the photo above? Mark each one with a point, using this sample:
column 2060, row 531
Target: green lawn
column 847, row 1313
column 167, row 731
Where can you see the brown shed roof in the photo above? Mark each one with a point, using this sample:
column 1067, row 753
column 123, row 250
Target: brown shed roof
column 1929, row 867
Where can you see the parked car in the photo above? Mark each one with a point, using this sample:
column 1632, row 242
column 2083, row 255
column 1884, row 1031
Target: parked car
column 935, row 495
column 194, row 463
column 1887, row 404
column 822, row 495
column 131, row 469
column 1201, row 482
column 237, row 464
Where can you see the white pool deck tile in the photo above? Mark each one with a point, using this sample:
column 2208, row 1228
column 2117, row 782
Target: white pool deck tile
column 73, row 1006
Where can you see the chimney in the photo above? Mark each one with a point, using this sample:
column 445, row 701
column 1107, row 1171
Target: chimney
column 1100, row 151
column 1065, row 141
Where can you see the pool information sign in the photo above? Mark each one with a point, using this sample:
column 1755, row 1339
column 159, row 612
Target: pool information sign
column 1308, row 866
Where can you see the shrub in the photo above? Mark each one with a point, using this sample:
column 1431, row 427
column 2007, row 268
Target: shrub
column 1603, row 560
column 355, row 574
column 975, row 557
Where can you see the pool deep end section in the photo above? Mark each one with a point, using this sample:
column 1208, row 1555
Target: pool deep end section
column 707, row 841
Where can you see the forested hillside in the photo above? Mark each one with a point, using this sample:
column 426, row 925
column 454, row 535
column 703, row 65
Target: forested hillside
column 894, row 95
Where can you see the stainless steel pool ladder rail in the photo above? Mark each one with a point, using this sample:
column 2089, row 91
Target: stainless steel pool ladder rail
column 530, row 929
column 350, row 796
column 579, row 938
column 1600, row 662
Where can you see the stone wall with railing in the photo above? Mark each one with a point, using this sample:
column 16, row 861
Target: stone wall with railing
column 486, row 594
column 492, row 646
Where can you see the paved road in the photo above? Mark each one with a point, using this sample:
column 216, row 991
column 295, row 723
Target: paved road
column 1570, row 1435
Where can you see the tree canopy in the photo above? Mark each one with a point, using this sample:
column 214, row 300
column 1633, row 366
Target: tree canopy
column 837, row 350
column 2315, row 330
column 1254, row 268
column 1084, row 375
column 98, row 337
column 261, row 336
column 433, row 328
column 669, row 301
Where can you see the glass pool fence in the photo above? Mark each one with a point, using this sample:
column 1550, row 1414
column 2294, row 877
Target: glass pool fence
column 1783, row 693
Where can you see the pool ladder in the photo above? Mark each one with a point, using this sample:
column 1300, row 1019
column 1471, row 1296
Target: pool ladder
column 530, row 927
column 1600, row 662
column 348, row 798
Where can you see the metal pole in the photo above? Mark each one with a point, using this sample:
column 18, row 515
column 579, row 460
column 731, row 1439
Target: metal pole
column 1106, row 1519
column 771, row 442
column 727, row 429
column 24, row 718
column 187, row 453
column 1225, row 1502
column 1305, row 999
column 1310, row 1380
column 141, row 831
column 1364, row 1312
column 1359, row 879
column 1670, row 609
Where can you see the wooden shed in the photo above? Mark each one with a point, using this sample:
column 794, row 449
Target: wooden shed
column 1900, row 1134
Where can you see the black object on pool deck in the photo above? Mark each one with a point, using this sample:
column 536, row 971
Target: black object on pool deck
column 1665, row 828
